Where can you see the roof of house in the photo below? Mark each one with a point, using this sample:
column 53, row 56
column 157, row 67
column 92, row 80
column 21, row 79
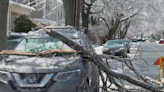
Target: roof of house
column 21, row 5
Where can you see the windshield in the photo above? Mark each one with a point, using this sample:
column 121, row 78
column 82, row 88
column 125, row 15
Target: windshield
column 115, row 43
column 41, row 44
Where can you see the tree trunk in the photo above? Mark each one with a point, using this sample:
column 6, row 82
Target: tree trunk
column 85, row 18
column 85, row 12
column 70, row 12
column 3, row 22
column 110, row 34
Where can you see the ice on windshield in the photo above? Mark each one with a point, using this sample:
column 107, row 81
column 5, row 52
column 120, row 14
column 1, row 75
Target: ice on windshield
column 41, row 44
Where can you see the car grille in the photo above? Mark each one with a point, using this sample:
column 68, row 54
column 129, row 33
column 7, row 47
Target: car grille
column 32, row 80
column 37, row 78
column 112, row 51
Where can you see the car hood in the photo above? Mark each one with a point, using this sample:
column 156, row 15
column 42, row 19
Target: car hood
column 40, row 65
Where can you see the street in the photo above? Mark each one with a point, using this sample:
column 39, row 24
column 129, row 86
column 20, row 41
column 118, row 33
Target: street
column 150, row 52
column 143, row 55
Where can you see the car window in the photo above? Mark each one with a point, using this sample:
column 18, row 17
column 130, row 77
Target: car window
column 41, row 44
column 11, row 44
column 113, row 43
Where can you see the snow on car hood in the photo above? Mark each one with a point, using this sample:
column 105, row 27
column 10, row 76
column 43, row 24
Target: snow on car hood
column 40, row 65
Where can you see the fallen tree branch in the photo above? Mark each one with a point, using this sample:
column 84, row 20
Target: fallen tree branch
column 114, row 57
column 154, row 81
column 98, row 61
column 20, row 52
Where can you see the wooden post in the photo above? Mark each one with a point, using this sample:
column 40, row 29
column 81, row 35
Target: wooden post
column 160, row 65
column 77, row 18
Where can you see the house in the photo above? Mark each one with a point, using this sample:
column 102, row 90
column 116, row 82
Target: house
column 16, row 9
column 48, row 11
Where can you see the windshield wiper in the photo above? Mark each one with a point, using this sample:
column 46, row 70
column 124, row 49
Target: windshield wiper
column 20, row 52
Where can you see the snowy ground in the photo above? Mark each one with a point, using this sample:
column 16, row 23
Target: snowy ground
column 119, row 67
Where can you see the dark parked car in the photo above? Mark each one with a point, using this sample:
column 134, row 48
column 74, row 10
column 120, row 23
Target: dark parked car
column 51, row 66
column 115, row 47
column 134, row 40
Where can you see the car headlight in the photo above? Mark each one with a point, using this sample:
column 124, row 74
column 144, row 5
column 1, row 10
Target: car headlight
column 119, row 49
column 63, row 76
column 4, row 76
column 105, row 49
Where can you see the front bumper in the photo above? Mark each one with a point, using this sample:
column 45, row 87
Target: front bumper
column 115, row 53
column 67, row 86
column 71, row 85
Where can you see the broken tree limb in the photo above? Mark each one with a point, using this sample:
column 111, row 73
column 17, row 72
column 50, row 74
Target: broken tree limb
column 154, row 81
column 20, row 52
column 16, row 52
column 99, row 62
column 114, row 57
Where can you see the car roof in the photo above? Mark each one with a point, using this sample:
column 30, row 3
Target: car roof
column 70, row 33
column 115, row 40
column 119, row 40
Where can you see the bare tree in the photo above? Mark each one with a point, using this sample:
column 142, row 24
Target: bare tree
column 115, row 13
column 85, row 12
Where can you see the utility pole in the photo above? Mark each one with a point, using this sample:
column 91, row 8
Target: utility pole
column 77, row 18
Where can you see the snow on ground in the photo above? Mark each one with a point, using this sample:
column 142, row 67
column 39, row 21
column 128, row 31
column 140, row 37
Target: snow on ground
column 117, row 66
column 98, row 50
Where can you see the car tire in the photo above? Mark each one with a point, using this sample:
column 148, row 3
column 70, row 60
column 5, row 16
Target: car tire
column 128, row 51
